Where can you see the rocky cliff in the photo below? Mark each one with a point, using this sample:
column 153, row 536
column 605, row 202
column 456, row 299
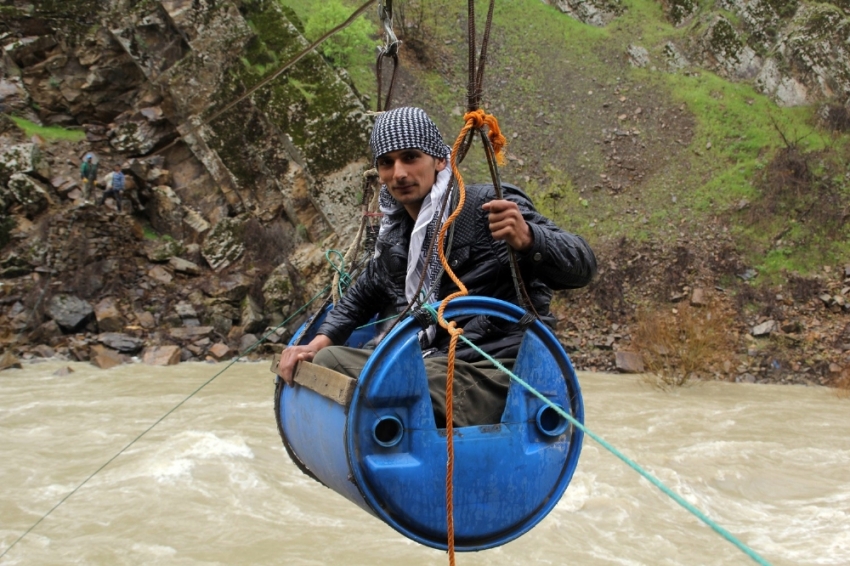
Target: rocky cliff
column 232, row 207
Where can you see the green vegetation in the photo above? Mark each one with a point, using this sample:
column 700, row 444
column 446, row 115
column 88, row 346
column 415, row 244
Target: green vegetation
column 352, row 49
column 298, row 102
column 553, row 83
column 150, row 233
column 49, row 133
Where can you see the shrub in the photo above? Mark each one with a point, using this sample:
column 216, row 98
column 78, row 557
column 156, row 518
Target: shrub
column 685, row 342
column 352, row 46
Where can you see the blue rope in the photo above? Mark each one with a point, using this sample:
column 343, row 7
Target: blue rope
column 652, row 479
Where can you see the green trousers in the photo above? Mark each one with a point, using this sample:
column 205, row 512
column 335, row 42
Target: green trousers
column 480, row 390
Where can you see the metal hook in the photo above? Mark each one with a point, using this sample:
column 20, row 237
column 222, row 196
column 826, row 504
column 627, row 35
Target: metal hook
column 385, row 13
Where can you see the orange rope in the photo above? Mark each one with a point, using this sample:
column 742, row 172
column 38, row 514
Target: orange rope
column 475, row 119
column 497, row 140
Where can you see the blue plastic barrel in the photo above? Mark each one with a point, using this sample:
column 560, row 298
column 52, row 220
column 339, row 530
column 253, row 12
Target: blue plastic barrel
column 385, row 453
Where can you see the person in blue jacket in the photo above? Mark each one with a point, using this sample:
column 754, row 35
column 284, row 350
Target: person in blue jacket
column 413, row 166
column 115, row 182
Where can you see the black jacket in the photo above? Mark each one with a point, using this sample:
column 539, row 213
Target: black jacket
column 557, row 260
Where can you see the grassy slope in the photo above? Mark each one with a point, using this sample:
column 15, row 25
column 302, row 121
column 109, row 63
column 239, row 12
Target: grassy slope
column 48, row 133
column 559, row 88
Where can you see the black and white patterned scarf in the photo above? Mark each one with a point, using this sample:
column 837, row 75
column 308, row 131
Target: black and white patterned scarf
column 427, row 224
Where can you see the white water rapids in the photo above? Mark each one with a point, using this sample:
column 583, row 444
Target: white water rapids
column 212, row 485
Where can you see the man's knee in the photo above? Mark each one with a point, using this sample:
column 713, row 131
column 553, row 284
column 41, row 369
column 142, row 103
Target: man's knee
column 347, row 361
column 326, row 357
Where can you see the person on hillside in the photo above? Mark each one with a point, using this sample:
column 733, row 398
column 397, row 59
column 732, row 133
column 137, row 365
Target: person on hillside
column 88, row 174
column 413, row 166
column 114, row 182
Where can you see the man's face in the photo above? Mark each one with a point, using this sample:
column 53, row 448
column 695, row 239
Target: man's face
column 409, row 175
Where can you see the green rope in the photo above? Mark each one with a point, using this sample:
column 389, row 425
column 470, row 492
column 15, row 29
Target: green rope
column 344, row 276
column 162, row 418
column 652, row 479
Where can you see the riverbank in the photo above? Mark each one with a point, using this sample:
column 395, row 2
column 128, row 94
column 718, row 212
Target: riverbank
column 88, row 283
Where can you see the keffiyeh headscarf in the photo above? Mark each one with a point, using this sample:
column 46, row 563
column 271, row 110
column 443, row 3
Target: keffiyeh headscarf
column 411, row 128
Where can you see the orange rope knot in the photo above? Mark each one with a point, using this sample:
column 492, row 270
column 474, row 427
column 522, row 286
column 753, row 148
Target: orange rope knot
column 479, row 119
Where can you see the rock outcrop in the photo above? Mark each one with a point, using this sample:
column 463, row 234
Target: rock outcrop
column 213, row 185
column 795, row 52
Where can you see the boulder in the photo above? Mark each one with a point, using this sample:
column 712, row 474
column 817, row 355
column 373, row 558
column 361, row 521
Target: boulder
column 252, row 318
column 698, row 297
column 165, row 210
column 195, row 224
column 46, row 333
column 121, row 342
column 15, row 96
column 181, row 265
column 63, row 371
column 79, row 347
column 675, row 59
column 231, row 288
column 160, row 274
column 221, row 317
column 109, row 318
column 8, row 360
column 163, row 250
column 185, row 310
column 138, row 132
column 278, row 290
column 220, row 351
column 786, row 90
column 629, row 362
column 162, row 355
column 29, row 193
column 26, row 158
column 247, row 341
column 189, row 332
column 309, row 262
column 44, row 351
column 157, row 177
column 765, row 328
column 223, row 244
column 64, row 187
column 638, row 56
column 593, row 12
column 146, row 320
column 104, row 358
column 70, row 313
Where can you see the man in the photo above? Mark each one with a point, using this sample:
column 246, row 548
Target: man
column 114, row 186
column 88, row 174
column 413, row 166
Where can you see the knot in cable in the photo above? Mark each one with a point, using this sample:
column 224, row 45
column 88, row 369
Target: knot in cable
column 452, row 328
column 424, row 317
column 479, row 119
column 526, row 321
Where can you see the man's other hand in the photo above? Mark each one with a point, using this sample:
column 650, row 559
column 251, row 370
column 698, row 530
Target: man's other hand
column 507, row 223
column 290, row 357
